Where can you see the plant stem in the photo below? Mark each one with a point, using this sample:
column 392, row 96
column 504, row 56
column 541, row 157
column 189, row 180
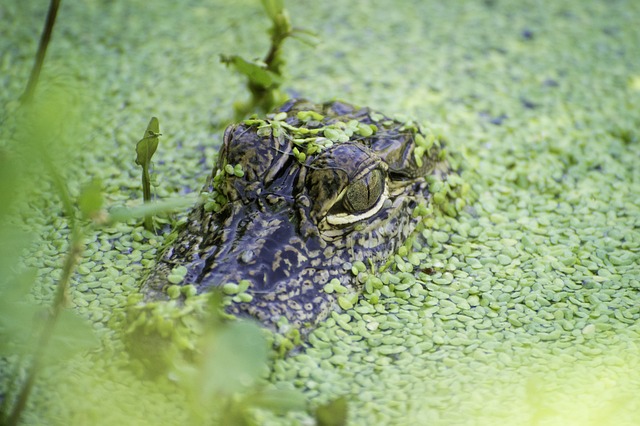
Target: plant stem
column 42, row 50
column 59, row 302
column 146, row 195
column 273, row 59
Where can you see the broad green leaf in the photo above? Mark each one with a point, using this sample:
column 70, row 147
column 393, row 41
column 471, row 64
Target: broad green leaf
column 280, row 401
column 17, row 316
column 16, row 328
column 21, row 324
column 71, row 335
column 90, row 200
column 16, row 287
column 13, row 242
column 147, row 146
column 333, row 413
column 233, row 358
column 122, row 214
column 256, row 73
column 10, row 172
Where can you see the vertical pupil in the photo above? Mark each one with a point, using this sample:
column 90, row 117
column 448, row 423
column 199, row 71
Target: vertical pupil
column 362, row 194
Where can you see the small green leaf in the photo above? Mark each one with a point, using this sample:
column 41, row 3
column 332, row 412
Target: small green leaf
column 180, row 271
column 256, row 73
column 333, row 134
column 264, row 131
column 230, row 288
column 175, row 279
column 238, row 171
column 173, row 291
column 243, row 285
column 245, row 297
column 345, row 303
column 364, row 130
column 425, row 142
column 376, row 116
column 309, row 115
column 280, row 116
column 418, row 153
column 254, row 122
column 146, row 147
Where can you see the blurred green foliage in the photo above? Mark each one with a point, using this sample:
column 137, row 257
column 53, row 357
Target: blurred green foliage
column 33, row 148
column 225, row 378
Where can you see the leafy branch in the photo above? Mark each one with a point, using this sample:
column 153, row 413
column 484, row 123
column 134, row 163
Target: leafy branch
column 265, row 77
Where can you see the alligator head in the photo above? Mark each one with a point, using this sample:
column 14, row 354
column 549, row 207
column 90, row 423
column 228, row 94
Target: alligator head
column 295, row 200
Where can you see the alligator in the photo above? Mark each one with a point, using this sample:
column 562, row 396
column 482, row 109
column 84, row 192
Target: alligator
column 294, row 200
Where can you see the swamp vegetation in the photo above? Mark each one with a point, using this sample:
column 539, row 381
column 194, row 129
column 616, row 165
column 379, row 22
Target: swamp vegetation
column 522, row 308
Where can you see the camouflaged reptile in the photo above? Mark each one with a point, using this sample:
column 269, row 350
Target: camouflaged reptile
column 294, row 200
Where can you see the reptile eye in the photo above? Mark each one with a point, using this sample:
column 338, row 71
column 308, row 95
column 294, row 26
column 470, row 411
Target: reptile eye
column 346, row 184
column 364, row 193
column 361, row 199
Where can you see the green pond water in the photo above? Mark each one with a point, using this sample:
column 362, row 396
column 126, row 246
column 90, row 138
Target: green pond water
column 531, row 315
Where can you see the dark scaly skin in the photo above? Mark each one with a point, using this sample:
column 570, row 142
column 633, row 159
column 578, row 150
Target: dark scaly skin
column 278, row 228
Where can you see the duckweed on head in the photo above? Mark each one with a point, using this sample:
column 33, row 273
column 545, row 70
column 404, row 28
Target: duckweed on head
column 517, row 303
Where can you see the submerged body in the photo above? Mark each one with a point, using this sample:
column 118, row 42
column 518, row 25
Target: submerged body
column 294, row 201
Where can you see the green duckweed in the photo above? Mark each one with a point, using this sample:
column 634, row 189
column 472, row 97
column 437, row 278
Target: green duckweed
column 521, row 307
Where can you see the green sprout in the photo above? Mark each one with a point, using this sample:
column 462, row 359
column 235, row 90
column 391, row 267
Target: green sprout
column 145, row 148
column 265, row 77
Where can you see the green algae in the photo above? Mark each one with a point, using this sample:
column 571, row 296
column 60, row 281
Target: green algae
column 521, row 308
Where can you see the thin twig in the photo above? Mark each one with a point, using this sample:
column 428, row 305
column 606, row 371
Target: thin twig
column 42, row 50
